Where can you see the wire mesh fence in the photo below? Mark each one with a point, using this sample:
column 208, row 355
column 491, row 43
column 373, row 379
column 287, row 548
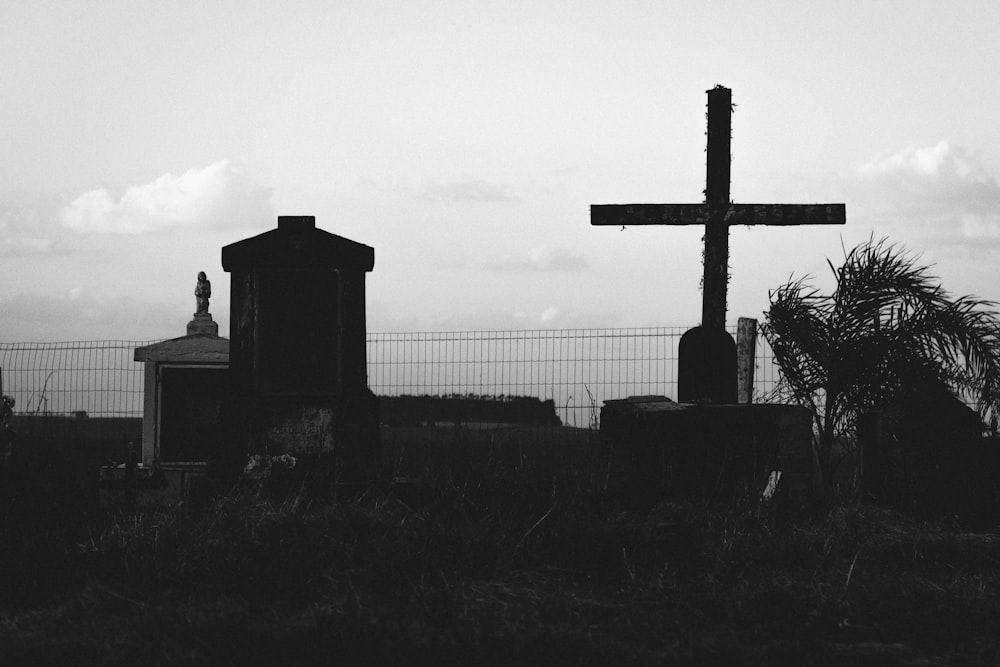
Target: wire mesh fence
column 576, row 369
column 96, row 378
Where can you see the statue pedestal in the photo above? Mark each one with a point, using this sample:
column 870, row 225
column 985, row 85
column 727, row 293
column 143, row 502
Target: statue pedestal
column 202, row 324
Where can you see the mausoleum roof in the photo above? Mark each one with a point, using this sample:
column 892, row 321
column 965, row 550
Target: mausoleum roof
column 196, row 348
column 297, row 243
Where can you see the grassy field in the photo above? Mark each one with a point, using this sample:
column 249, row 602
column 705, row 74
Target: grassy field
column 496, row 546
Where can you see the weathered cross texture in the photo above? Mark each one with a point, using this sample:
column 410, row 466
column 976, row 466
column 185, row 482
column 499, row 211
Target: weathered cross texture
column 717, row 213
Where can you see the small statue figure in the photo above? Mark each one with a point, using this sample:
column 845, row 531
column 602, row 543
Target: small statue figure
column 202, row 293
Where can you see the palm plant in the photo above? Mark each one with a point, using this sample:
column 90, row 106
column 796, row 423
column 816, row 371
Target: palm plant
column 888, row 325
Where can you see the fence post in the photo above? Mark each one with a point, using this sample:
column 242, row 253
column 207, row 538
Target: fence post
column 746, row 346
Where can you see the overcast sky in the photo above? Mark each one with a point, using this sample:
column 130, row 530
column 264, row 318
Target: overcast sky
column 465, row 142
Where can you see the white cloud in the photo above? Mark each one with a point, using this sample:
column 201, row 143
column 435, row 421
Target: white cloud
column 549, row 315
column 466, row 189
column 928, row 160
column 542, row 258
column 219, row 195
column 545, row 258
column 938, row 195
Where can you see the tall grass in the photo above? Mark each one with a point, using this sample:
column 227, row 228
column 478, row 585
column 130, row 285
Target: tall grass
column 492, row 547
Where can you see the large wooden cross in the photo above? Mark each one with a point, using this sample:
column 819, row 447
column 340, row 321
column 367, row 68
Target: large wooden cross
column 717, row 213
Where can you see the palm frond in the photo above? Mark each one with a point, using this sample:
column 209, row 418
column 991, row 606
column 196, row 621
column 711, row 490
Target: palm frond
column 887, row 325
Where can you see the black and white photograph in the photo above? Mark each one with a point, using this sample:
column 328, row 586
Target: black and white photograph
column 465, row 332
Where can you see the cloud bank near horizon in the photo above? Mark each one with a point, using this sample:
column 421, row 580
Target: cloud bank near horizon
column 941, row 194
column 219, row 195
column 77, row 314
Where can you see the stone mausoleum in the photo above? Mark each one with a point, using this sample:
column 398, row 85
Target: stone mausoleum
column 298, row 367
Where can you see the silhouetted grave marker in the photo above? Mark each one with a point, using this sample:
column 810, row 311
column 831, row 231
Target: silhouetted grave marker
column 706, row 366
column 717, row 214
column 923, row 450
column 298, row 350
column 706, row 445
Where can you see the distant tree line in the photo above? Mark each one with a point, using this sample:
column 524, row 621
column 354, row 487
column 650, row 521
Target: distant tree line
column 409, row 410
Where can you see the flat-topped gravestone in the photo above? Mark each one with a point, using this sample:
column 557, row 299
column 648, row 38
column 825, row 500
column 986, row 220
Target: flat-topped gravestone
column 298, row 350
column 717, row 214
column 658, row 449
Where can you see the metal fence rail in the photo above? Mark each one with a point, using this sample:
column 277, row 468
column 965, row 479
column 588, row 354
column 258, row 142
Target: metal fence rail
column 578, row 369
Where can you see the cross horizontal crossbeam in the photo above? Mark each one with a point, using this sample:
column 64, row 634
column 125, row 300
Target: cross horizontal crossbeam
column 699, row 214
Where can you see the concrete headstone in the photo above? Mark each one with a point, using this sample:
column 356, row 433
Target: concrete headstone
column 706, row 367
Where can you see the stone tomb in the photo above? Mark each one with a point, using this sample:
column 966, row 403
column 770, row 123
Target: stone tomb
column 185, row 401
column 657, row 448
column 298, row 350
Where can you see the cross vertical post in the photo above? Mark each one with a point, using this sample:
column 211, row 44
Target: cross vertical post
column 718, row 165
